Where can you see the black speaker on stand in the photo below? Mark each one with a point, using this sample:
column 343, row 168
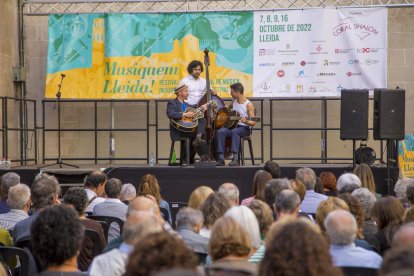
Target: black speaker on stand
column 354, row 116
column 389, row 124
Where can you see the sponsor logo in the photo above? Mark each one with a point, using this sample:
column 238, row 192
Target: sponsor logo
column 344, row 51
column 267, row 52
column 351, row 74
column 318, row 50
column 288, row 63
column 325, row 89
column 368, row 50
column 312, row 89
column 287, row 51
column 327, row 62
column 301, row 74
column 299, row 88
column 353, row 61
column 303, row 63
column 280, row 73
column 265, row 86
column 369, row 61
column 266, row 64
column 353, row 25
column 325, row 74
column 286, row 88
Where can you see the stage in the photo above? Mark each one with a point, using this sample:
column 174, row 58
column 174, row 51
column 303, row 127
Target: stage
column 177, row 183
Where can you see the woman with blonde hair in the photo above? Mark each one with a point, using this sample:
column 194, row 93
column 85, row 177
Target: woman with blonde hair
column 149, row 186
column 198, row 196
column 364, row 172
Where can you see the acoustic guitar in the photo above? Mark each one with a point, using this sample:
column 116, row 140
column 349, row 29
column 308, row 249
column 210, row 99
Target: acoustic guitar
column 230, row 118
column 186, row 124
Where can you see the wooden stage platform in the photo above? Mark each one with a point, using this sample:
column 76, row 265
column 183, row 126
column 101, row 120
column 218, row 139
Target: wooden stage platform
column 178, row 182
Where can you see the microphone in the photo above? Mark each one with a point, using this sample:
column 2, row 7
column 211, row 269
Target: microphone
column 63, row 75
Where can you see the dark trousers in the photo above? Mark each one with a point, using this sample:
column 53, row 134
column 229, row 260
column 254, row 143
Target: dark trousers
column 202, row 147
column 235, row 134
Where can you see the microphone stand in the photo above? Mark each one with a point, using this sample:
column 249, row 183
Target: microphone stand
column 57, row 102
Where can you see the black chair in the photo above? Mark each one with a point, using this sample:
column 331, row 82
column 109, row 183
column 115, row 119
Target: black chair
column 241, row 149
column 7, row 253
column 107, row 223
column 359, row 271
column 34, row 263
column 165, row 215
column 175, row 207
column 187, row 142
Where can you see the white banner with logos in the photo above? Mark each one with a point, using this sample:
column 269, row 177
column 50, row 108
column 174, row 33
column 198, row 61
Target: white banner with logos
column 318, row 52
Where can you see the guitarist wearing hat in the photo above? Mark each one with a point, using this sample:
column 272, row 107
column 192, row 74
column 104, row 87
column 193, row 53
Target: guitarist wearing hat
column 177, row 109
column 246, row 110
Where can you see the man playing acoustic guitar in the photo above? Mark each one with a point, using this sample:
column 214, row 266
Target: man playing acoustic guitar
column 246, row 110
column 177, row 110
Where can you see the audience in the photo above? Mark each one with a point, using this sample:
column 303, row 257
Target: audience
column 312, row 199
column 138, row 225
column 149, row 186
column 273, row 168
column 198, row 196
column 157, row 252
column 77, row 198
column 287, row 203
column 7, row 181
column 260, row 179
column 45, row 192
column 327, row 206
column 319, row 186
column 410, row 193
column 273, row 187
column 112, row 206
column 264, row 216
column 347, row 183
column 388, row 213
column 364, row 173
column 230, row 247
column 404, row 237
column 297, row 249
column 400, row 190
column 213, row 208
column 128, row 193
column 341, row 228
column 231, row 192
column 19, row 202
column 57, row 235
column 94, row 184
column 328, row 180
column 398, row 262
column 299, row 188
column 408, row 215
column 356, row 209
column 189, row 222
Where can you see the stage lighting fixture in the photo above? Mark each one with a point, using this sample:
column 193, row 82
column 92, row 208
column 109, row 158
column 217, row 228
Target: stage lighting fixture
column 365, row 155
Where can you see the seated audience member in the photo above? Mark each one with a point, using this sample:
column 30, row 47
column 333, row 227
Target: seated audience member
column 398, row 262
column 273, row 168
column 410, row 193
column 387, row 213
column 246, row 218
column 299, row 188
column 329, row 183
column 408, row 215
column 297, row 248
column 312, row 199
column 231, row 192
column 138, row 225
column 230, row 248
column 404, row 237
column 273, row 187
column 44, row 192
column 189, row 222
column 128, row 193
column 213, row 208
column 157, row 252
column 19, row 202
column 149, row 186
column 112, row 206
column 400, row 190
column 356, row 209
column 364, row 173
column 259, row 181
column 341, row 228
column 198, row 196
column 57, row 235
column 367, row 199
column 76, row 196
column 319, row 186
column 94, row 184
column 263, row 215
column 287, row 203
column 7, row 181
column 327, row 206
column 347, row 183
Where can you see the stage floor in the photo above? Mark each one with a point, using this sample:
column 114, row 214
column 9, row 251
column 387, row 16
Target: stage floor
column 177, row 183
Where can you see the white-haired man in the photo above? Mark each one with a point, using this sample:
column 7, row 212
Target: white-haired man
column 341, row 228
column 347, row 183
column 312, row 199
column 231, row 192
column 19, row 202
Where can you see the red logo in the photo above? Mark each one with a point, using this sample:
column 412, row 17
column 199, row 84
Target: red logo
column 303, row 63
column 280, row 73
column 349, row 74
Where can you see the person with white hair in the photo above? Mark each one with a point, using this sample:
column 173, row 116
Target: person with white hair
column 400, row 190
column 6, row 182
column 287, row 203
column 312, row 199
column 247, row 219
column 231, row 192
column 19, row 202
column 128, row 193
column 341, row 228
column 189, row 222
column 347, row 183
column 404, row 237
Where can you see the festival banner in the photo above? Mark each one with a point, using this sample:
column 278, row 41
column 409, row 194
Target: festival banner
column 144, row 56
column 318, row 52
column 406, row 156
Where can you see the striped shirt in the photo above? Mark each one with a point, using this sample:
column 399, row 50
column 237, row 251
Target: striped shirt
column 8, row 220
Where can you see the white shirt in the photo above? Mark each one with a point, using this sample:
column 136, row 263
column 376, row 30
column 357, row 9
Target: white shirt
column 91, row 194
column 111, row 263
column 351, row 255
column 196, row 89
column 241, row 109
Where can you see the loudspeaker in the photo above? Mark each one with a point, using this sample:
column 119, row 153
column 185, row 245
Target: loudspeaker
column 389, row 114
column 354, row 114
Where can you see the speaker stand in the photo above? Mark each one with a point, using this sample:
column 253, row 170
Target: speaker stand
column 353, row 153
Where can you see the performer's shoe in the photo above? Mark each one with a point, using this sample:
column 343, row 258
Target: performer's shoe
column 204, row 158
column 220, row 162
column 198, row 141
column 234, row 163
